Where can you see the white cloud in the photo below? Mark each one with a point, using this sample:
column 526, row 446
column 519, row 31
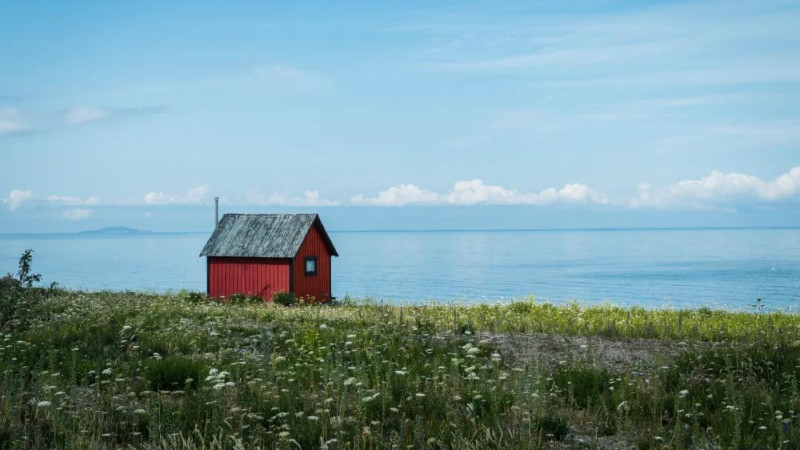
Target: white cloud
column 309, row 198
column 76, row 214
column 475, row 191
column 194, row 196
column 16, row 198
column 312, row 198
column 720, row 188
column 11, row 121
column 84, row 114
column 70, row 200
column 398, row 196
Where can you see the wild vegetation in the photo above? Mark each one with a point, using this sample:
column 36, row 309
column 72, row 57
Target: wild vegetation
column 129, row 370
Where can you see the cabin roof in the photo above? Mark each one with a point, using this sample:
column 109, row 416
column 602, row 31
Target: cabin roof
column 263, row 235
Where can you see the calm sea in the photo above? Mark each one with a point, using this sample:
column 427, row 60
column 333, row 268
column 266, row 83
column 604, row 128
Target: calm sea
column 727, row 268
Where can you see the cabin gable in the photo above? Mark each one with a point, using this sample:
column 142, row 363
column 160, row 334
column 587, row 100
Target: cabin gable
column 316, row 283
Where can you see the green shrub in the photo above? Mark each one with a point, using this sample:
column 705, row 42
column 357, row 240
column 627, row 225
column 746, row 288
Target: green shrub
column 19, row 300
column 585, row 385
column 466, row 328
column 173, row 373
column 346, row 301
column 646, row 443
column 552, row 428
column 6, row 434
column 521, row 307
column 284, row 298
column 194, row 297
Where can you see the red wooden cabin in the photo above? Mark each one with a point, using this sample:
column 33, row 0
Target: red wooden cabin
column 263, row 254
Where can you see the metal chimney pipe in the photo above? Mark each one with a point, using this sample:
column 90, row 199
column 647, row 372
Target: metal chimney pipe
column 216, row 211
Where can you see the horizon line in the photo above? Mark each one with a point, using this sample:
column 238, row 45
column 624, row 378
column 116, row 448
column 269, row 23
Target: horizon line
column 419, row 230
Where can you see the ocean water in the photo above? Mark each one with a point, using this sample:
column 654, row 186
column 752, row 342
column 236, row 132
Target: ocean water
column 726, row 268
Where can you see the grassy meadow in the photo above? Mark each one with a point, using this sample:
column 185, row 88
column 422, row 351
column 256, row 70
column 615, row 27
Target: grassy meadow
column 129, row 370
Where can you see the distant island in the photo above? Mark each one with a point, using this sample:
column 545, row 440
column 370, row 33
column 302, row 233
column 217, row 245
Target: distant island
column 116, row 230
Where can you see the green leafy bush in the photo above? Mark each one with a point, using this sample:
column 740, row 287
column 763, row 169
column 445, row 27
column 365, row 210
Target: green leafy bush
column 553, row 428
column 284, row 298
column 466, row 328
column 174, row 373
column 585, row 385
column 346, row 301
column 18, row 298
column 521, row 307
column 194, row 297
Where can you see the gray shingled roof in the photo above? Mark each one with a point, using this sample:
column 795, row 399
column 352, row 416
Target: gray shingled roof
column 262, row 235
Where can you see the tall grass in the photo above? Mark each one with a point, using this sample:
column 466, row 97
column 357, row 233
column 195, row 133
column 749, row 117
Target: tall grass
column 124, row 370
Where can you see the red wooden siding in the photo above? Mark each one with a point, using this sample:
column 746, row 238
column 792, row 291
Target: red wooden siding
column 250, row 276
column 319, row 285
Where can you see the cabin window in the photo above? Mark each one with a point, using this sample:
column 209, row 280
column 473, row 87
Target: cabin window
column 311, row 265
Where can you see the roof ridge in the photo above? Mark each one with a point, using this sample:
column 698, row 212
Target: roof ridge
column 270, row 214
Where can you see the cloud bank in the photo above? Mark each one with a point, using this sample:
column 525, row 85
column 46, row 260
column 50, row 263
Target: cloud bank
column 71, row 200
column 16, row 198
column 399, row 195
column 474, row 192
column 195, row 196
column 720, row 189
column 309, row 198
column 715, row 191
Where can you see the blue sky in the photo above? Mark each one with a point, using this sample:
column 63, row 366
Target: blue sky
column 650, row 112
